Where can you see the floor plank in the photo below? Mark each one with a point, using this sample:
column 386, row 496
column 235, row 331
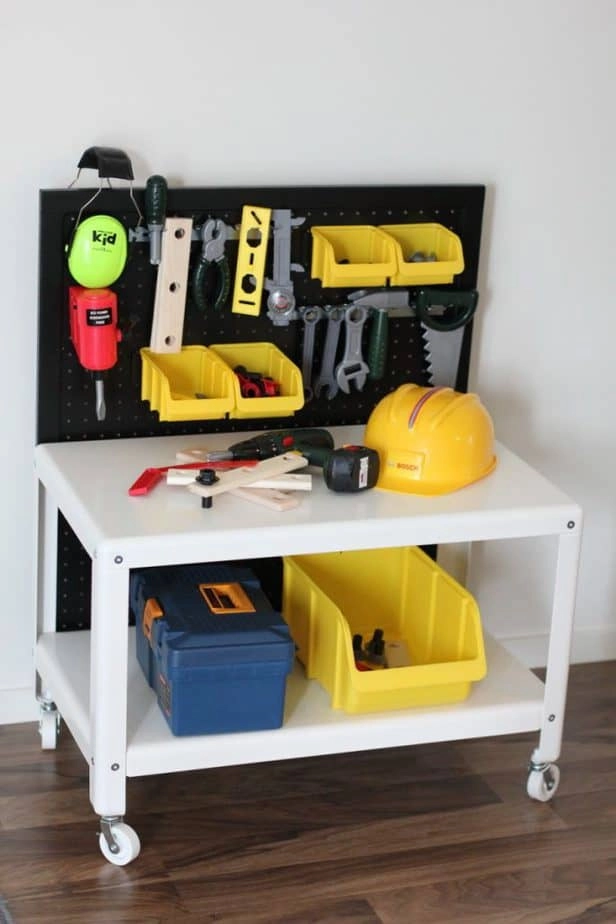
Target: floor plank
column 437, row 834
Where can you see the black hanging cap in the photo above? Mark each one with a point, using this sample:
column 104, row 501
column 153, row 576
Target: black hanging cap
column 110, row 162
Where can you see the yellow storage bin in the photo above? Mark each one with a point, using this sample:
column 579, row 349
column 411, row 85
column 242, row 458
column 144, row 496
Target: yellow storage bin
column 352, row 255
column 270, row 361
column 171, row 383
column 329, row 597
column 428, row 238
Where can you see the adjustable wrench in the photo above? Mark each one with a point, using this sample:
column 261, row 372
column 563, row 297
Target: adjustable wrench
column 311, row 317
column 327, row 373
column 352, row 367
column 281, row 299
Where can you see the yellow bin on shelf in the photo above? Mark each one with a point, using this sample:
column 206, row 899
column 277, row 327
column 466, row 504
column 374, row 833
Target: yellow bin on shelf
column 428, row 238
column 329, row 597
column 352, row 255
column 171, row 383
column 268, row 360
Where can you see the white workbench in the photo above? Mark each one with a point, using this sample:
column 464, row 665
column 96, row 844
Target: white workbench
column 95, row 682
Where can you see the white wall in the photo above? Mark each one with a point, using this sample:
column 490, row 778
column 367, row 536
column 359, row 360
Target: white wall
column 515, row 95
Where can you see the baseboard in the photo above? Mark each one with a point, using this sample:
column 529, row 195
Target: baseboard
column 588, row 645
column 18, row 706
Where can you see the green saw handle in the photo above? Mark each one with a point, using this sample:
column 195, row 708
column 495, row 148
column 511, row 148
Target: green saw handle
column 378, row 343
column 155, row 211
column 459, row 307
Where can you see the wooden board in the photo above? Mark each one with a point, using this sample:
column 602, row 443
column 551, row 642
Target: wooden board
column 245, row 476
column 171, row 287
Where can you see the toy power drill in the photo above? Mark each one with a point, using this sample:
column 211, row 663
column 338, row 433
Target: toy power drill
column 95, row 334
column 350, row 468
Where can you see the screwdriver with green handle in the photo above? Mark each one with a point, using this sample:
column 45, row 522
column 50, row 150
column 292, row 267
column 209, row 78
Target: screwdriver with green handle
column 155, row 211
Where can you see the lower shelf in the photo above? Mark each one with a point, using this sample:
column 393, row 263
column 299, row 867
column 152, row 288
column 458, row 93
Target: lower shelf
column 507, row 701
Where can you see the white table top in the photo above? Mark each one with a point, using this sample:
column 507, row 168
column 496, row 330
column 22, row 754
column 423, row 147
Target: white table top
column 89, row 481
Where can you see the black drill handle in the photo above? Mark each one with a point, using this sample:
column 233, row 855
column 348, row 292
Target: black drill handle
column 316, row 455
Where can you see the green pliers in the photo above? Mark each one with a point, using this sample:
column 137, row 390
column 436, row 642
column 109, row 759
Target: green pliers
column 214, row 235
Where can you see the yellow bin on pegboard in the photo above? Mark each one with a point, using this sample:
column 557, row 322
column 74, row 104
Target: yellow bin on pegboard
column 441, row 249
column 268, row 360
column 192, row 384
column 352, row 255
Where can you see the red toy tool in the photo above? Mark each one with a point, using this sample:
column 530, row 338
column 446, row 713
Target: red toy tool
column 95, row 334
column 256, row 385
column 149, row 478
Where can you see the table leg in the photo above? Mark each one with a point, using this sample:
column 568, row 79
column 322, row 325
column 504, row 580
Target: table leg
column 108, row 682
column 557, row 670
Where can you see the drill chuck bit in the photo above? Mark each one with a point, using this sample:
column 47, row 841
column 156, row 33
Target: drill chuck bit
column 99, row 387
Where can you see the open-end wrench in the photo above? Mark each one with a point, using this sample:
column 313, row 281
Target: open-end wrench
column 327, row 373
column 352, row 367
column 311, row 317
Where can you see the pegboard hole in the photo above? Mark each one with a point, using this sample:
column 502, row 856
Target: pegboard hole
column 169, row 340
column 179, row 233
column 174, row 287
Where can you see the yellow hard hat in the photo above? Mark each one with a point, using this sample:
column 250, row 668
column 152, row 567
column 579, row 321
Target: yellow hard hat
column 430, row 440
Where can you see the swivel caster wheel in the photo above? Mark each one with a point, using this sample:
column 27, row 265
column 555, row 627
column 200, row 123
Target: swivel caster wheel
column 119, row 843
column 543, row 782
column 49, row 727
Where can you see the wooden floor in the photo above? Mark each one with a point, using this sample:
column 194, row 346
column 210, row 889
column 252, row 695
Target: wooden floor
column 442, row 833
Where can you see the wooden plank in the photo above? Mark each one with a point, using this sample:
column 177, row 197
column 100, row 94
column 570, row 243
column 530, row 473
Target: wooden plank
column 286, row 482
column 171, row 287
column 267, row 497
column 239, row 477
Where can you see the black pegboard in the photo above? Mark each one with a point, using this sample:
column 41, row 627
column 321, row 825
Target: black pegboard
column 65, row 391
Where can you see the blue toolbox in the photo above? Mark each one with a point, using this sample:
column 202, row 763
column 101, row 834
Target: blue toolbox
column 212, row 647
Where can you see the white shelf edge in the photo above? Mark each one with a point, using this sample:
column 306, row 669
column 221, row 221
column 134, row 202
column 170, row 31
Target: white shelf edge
column 509, row 700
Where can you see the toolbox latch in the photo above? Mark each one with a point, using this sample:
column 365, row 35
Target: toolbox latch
column 151, row 611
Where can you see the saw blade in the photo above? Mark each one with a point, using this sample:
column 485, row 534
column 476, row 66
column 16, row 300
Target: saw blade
column 444, row 349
